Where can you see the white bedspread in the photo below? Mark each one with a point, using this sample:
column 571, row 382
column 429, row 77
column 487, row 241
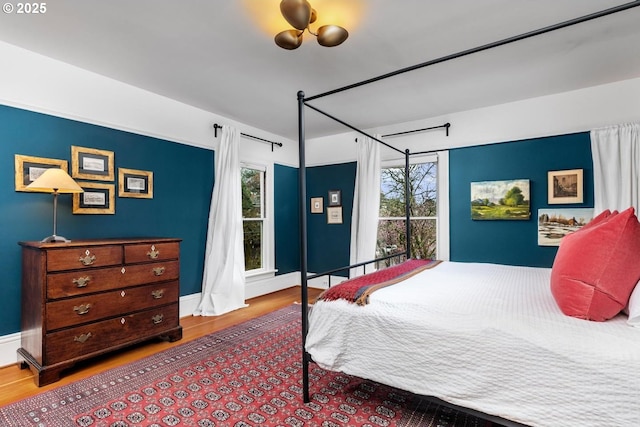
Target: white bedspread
column 490, row 338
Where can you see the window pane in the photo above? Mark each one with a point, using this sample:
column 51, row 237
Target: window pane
column 422, row 189
column 252, row 245
column 251, row 193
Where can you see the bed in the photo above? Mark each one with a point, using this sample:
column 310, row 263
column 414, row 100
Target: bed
column 489, row 338
column 485, row 338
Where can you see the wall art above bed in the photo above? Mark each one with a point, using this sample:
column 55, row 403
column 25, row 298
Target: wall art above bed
column 495, row 200
column 565, row 186
column 554, row 224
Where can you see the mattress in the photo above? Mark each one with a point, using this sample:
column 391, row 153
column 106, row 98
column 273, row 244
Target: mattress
column 486, row 337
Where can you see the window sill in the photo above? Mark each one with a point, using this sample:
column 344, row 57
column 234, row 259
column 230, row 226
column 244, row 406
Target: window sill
column 254, row 276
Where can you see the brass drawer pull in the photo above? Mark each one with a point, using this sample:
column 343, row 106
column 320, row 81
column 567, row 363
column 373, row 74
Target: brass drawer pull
column 82, row 338
column 82, row 309
column 81, row 282
column 87, row 259
column 158, row 271
column 157, row 294
column 153, row 253
column 158, row 318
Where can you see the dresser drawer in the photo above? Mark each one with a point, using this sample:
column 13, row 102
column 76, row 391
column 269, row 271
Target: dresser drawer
column 82, row 341
column 84, row 257
column 151, row 273
column 89, row 308
column 62, row 285
column 151, row 252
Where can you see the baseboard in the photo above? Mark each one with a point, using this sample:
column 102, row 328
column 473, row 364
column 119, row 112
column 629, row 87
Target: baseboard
column 324, row 281
column 9, row 345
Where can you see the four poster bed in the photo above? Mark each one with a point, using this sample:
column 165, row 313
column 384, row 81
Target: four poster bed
column 483, row 338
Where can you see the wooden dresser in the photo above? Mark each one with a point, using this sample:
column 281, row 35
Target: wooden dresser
column 89, row 297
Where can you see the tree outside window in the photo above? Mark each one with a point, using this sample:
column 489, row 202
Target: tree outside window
column 422, row 210
column 253, row 217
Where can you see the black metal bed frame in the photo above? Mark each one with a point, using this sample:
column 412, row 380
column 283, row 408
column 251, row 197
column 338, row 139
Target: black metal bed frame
column 304, row 102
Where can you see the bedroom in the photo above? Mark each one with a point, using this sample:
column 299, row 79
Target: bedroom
column 117, row 117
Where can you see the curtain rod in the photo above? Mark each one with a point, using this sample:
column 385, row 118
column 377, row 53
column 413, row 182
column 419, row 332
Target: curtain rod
column 217, row 126
column 446, row 126
column 502, row 42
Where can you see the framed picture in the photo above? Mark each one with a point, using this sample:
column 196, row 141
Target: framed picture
column 554, row 224
column 135, row 183
column 492, row 200
column 334, row 215
column 565, row 186
column 97, row 198
column 335, row 198
column 317, row 204
column 29, row 168
column 90, row 163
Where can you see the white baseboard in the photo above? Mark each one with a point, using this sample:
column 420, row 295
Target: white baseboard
column 9, row 344
column 323, row 281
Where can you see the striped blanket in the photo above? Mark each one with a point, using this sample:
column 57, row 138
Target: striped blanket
column 358, row 289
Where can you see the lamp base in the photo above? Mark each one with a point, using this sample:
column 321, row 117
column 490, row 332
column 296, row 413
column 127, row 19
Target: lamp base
column 55, row 239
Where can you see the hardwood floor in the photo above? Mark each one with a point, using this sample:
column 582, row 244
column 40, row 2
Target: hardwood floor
column 17, row 384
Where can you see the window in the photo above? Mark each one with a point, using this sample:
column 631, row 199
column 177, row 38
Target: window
column 253, row 217
column 423, row 208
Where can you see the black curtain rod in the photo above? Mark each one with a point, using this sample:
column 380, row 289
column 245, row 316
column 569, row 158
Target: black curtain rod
column 446, row 126
column 217, row 126
column 502, row 42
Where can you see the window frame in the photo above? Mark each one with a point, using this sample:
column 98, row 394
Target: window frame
column 266, row 201
column 441, row 158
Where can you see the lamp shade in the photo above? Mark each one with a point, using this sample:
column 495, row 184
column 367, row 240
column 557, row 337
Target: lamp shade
column 55, row 180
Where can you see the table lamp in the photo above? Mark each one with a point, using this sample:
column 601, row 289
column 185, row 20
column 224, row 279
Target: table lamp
column 56, row 181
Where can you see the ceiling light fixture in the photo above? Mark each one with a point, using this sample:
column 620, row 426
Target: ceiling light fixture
column 299, row 14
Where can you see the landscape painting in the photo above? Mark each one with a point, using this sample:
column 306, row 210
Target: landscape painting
column 554, row 224
column 495, row 200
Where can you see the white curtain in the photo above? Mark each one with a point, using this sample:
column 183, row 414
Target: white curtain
column 366, row 204
column 223, row 280
column 616, row 167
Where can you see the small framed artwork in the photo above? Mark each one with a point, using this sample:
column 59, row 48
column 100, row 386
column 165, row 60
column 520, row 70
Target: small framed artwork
column 29, row 168
column 335, row 198
column 565, row 186
column 334, row 215
column 135, row 183
column 90, row 163
column 97, row 198
column 554, row 224
column 317, row 204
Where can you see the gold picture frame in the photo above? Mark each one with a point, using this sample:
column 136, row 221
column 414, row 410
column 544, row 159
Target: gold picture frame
column 135, row 183
column 98, row 198
column 565, row 186
column 317, row 204
column 28, row 168
column 91, row 163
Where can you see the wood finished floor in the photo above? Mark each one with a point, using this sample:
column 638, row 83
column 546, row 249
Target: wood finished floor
column 17, row 384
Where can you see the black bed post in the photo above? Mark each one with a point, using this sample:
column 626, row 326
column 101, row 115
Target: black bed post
column 407, row 201
column 302, row 191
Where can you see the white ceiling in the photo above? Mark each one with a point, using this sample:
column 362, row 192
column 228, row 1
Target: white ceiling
column 220, row 56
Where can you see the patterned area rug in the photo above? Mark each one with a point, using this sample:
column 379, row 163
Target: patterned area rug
column 246, row 375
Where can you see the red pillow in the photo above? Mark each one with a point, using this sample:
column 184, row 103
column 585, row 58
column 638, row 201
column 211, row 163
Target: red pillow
column 596, row 268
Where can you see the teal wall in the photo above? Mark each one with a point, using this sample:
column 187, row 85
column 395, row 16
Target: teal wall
column 287, row 219
column 328, row 245
column 183, row 181
column 511, row 242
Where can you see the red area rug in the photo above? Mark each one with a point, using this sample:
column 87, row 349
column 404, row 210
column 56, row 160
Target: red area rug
column 246, row 375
